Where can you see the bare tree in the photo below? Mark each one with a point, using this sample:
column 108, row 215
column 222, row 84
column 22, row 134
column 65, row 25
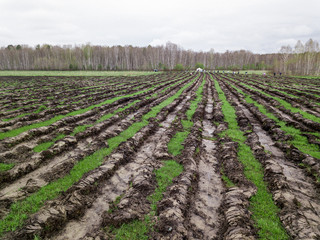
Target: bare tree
column 285, row 52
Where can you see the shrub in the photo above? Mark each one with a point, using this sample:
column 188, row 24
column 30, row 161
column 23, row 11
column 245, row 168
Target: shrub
column 199, row 65
column 178, row 67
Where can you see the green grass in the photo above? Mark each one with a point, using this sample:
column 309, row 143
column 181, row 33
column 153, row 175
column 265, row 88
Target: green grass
column 109, row 115
column 18, row 131
column 264, row 211
column 19, row 116
column 260, row 72
column 270, row 84
column 20, row 210
column 40, row 109
column 175, row 144
column 225, row 179
column 44, row 146
column 80, row 128
column 76, row 73
column 6, row 166
column 287, row 105
column 308, row 77
column 36, row 238
column 299, row 141
column 139, row 229
column 113, row 207
column 162, row 91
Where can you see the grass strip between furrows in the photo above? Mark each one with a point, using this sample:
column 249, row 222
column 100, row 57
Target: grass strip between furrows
column 82, row 128
column 20, row 210
column 77, row 73
column 138, row 230
column 17, row 131
column 299, row 141
column 40, row 109
column 225, row 178
column 270, row 84
column 6, row 166
column 178, row 81
column 44, row 146
column 286, row 105
column 264, row 211
column 175, row 144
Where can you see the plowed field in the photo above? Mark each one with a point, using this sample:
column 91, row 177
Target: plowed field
column 167, row 156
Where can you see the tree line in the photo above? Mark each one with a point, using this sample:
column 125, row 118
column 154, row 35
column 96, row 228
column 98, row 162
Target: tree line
column 302, row 59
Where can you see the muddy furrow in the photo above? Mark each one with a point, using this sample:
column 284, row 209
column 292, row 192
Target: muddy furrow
column 293, row 190
column 9, row 142
column 47, row 114
column 24, row 150
column 173, row 208
column 205, row 220
column 300, row 96
column 298, row 122
column 303, row 103
column 93, row 139
column 33, row 117
column 294, row 119
column 98, row 96
column 112, row 180
column 139, row 172
column 39, row 174
column 237, row 221
column 186, row 211
column 296, row 116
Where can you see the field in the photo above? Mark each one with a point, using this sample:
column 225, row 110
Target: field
column 75, row 73
column 164, row 156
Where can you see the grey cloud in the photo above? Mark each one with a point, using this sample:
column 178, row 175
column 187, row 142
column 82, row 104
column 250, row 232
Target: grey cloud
column 256, row 25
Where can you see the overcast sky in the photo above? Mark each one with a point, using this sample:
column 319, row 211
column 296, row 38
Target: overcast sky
column 261, row 26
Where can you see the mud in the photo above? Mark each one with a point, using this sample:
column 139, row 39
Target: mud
column 198, row 204
column 293, row 190
column 103, row 175
column 205, row 220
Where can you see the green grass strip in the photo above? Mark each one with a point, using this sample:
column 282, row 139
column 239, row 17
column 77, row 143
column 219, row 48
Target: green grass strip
column 175, row 144
column 44, row 146
column 225, row 178
column 40, row 109
column 287, row 105
column 137, row 230
column 17, row 131
column 20, row 211
column 77, row 73
column 264, row 211
column 6, row 166
column 107, row 116
column 271, row 84
column 177, row 81
column 80, row 128
column 19, row 116
column 299, row 141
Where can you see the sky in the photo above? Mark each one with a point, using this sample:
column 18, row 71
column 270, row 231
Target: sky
column 202, row 25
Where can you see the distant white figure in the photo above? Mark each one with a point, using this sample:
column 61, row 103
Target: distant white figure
column 199, row 70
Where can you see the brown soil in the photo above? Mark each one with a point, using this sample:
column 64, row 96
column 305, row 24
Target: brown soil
column 198, row 204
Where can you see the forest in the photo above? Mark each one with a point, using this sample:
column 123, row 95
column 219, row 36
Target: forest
column 301, row 59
